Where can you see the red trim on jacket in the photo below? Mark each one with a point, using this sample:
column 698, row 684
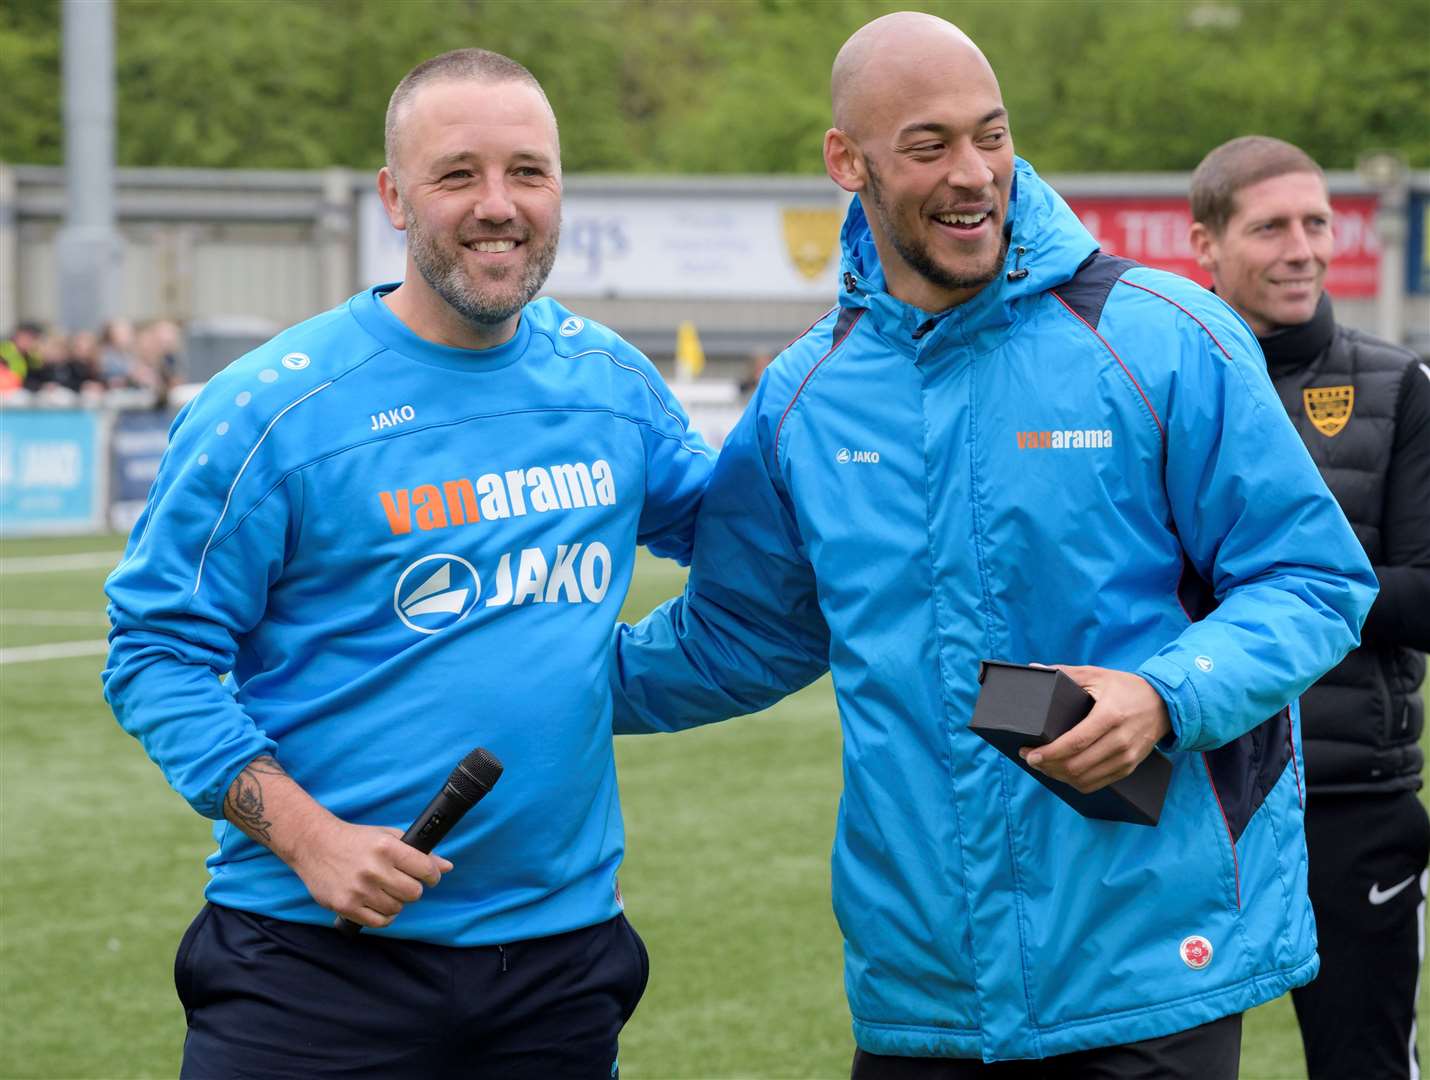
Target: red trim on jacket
column 1145, row 400
column 849, row 330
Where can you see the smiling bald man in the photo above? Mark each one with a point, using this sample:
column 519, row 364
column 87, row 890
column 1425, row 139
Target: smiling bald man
column 1004, row 444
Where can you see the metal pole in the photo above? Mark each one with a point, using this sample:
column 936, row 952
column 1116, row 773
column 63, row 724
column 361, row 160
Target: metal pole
column 88, row 247
column 9, row 250
column 335, row 237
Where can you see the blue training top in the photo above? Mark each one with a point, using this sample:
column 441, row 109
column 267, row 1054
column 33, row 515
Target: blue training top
column 401, row 551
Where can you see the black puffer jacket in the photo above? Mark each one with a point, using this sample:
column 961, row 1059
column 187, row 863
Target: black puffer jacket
column 1362, row 407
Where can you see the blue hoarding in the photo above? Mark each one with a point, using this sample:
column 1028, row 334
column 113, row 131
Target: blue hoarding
column 136, row 448
column 50, row 471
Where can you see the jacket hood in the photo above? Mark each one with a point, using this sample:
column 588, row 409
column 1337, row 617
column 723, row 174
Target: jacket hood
column 1045, row 238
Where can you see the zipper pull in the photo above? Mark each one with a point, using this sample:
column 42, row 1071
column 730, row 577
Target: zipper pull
column 502, row 949
column 1018, row 274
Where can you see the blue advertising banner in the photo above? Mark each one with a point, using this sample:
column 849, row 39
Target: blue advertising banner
column 1417, row 268
column 137, row 446
column 51, row 479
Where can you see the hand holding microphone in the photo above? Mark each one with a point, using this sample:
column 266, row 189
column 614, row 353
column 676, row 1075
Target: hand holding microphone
column 472, row 779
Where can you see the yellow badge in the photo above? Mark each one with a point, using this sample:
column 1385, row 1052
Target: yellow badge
column 811, row 236
column 1329, row 407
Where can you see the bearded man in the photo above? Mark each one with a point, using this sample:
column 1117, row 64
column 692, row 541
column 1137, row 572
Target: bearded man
column 405, row 528
column 1003, row 444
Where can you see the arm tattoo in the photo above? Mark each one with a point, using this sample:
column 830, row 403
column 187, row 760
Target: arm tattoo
column 243, row 805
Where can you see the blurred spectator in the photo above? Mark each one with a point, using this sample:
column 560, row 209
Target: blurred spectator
column 754, row 368
column 17, row 353
column 116, row 353
column 82, row 370
column 156, row 358
column 47, row 363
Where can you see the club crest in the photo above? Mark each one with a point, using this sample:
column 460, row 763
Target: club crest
column 1329, row 407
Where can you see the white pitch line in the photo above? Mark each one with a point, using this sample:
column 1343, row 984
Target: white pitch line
column 19, row 617
column 46, row 564
column 59, row 650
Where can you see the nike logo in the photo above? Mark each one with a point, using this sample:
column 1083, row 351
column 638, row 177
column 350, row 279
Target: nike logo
column 1378, row 897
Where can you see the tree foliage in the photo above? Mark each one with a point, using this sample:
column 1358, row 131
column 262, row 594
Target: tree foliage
column 741, row 86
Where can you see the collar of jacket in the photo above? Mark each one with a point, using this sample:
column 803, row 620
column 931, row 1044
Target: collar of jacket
column 1293, row 347
column 1045, row 239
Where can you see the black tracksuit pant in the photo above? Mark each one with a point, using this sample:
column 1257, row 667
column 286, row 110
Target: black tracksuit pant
column 1368, row 857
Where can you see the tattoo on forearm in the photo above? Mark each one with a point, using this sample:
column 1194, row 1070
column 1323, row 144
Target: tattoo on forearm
column 243, row 805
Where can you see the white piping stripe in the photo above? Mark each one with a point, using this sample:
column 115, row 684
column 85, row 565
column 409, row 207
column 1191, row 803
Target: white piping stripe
column 46, row 564
column 60, row 650
column 1425, row 368
column 1420, row 953
column 199, row 577
column 648, row 386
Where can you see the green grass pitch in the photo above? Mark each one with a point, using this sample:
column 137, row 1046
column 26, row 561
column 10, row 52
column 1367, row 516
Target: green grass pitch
column 727, row 878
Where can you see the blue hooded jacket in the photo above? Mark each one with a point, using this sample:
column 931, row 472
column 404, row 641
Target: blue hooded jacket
column 1084, row 464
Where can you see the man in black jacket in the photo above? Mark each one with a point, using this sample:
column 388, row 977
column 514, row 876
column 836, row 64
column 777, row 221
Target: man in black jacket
column 1262, row 229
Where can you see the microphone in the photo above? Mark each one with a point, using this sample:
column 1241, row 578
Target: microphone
column 475, row 775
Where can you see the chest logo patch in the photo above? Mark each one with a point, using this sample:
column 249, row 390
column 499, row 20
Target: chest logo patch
column 435, row 592
column 1329, row 407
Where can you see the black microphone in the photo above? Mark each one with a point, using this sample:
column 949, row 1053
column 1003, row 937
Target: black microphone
column 475, row 775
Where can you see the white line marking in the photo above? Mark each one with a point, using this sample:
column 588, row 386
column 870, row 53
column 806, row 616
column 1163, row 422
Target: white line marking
column 18, row 617
column 60, row 650
column 48, row 564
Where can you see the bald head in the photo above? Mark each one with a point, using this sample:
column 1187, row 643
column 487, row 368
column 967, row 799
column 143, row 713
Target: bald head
column 892, row 49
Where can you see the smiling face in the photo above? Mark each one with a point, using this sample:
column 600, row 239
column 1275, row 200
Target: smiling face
column 1269, row 260
column 924, row 135
column 477, row 187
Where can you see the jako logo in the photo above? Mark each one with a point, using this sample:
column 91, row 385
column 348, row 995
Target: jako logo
column 448, row 587
column 392, row 417
column 444, row 595
column 867, row 456
column 1089, row 439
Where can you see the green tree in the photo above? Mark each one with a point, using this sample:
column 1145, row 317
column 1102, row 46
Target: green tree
column 734, row 86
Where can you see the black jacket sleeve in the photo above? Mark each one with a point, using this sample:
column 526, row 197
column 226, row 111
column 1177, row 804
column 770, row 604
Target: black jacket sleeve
column 1401, row 613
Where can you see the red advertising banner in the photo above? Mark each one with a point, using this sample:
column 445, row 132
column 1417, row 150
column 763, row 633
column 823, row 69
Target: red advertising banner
column 1153, row 231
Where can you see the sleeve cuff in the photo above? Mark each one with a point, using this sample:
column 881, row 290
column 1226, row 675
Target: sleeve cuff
column 1183, row 709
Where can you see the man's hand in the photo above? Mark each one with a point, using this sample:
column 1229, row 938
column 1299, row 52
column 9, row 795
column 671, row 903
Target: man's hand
column 362, row 872
column 1127, row 720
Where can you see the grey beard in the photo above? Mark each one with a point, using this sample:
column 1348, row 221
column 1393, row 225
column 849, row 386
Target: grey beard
column 481, row 307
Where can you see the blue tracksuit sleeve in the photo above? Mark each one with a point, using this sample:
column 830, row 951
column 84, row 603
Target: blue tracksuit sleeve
column 748, row 629
column 193, row 580
column 1291, row 583
column 678, row 466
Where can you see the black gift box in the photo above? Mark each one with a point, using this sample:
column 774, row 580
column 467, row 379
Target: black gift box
column 1028, row 706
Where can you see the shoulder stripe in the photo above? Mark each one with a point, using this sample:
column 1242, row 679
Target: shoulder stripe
column 653, row 392
column 848, row 319
column 1184, row 311
column 1145, row 400
column 199, row 576
column 812, row 325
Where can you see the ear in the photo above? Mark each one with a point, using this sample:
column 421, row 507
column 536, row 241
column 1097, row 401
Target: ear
column 843, row 161
column 391, row 201
column 1204, row 246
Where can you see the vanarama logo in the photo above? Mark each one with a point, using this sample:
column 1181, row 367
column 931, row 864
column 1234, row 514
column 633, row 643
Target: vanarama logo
column 493, row 496
column 1086, row 439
